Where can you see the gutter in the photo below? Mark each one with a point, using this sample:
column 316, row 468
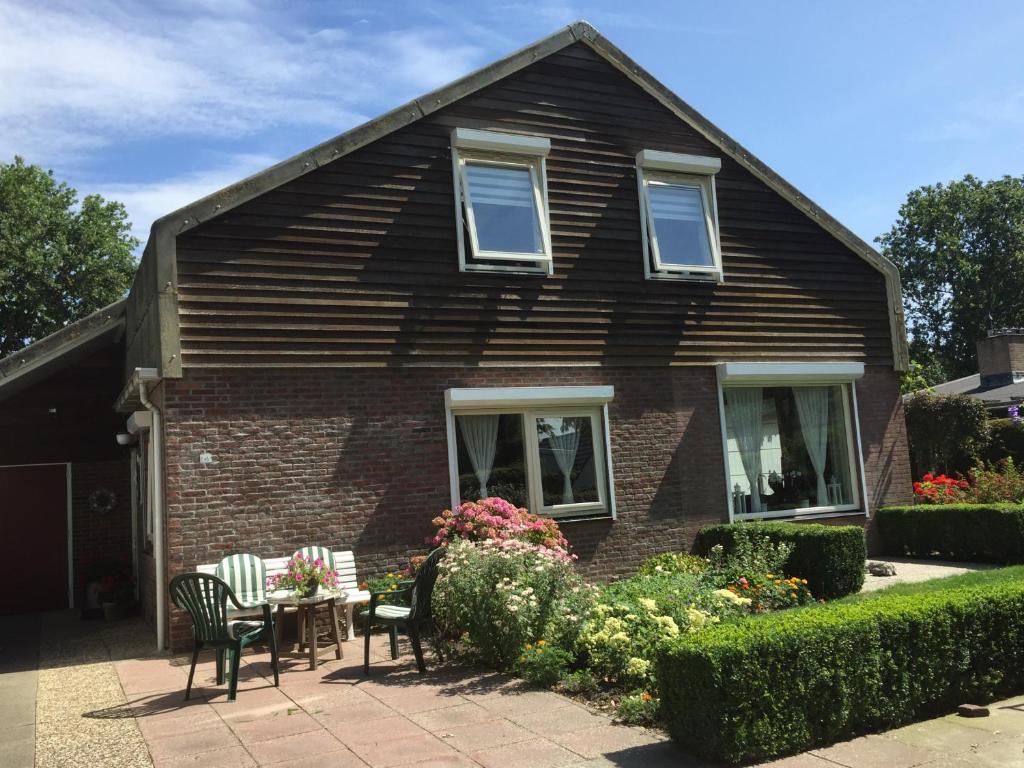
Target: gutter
column 144, row 376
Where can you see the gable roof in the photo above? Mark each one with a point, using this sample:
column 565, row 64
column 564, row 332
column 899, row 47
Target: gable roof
column 166, row 228
column 62, row 348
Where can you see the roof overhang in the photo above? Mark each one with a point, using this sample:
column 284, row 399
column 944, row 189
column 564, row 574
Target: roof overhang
column 190, row 216
column 71, row 344
column 130, row 400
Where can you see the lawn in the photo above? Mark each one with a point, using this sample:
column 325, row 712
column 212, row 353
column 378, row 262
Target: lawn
column 997, row 576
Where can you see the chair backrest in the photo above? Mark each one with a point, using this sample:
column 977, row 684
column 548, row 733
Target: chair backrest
column 423, row 586
column 344, row 564
column 204, row 598
column 317, row 553
column 247, row 577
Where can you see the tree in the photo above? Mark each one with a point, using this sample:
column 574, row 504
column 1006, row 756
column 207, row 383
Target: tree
column 960, row 251
column 59, row 261
column 946, row 433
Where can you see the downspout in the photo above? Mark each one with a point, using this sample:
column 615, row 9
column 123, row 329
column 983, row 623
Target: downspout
column 159, row 554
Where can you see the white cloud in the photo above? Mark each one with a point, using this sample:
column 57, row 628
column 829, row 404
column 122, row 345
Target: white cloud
column 76, row 77
column 148, row 201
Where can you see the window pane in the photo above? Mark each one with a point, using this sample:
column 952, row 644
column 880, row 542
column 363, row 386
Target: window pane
column 567, row 463
column 504, row 208
column 680, row 225
column 803, row 458
column 491, row 458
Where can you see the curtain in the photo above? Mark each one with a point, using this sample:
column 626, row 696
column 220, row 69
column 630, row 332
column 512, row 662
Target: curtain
column 812, row 408
column 744, row 414
column 564, row 446
column 480, row 435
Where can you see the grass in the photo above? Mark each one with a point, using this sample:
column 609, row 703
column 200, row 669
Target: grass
column 975, row 579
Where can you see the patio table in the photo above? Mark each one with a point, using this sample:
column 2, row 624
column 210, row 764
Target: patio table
column 307, row 607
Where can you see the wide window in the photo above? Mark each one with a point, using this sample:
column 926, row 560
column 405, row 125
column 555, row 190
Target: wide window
column 679, row 215
column 790, row 450
column 501, row 201
column 549, row 458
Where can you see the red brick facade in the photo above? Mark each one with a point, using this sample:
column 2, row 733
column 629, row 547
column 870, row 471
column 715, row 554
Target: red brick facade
column 358, row 458
column 96, row 535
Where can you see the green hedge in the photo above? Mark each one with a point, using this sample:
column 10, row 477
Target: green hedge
column 983, row 532
column 830, row 557
column 794, row 680
column 1007, row 441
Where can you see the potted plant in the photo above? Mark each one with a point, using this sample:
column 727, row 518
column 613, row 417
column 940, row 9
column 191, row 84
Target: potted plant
column 116, row 595
column 304, row 577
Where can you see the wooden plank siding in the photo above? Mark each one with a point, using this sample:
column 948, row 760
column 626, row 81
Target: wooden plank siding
column 355, row 263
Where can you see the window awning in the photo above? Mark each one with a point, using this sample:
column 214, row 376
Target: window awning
column 518, row 397
column 789, row 373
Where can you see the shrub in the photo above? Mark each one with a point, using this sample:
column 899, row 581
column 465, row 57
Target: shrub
column 939, row 489
column 500, row 595
column 830, row 557
column 639, row 708
column 991, row 485
column 542, row 664
column 580, row 681
column 795, row 680
column 1007, row 441
column 497, row 519
column 673, row 562
column 946, row 433
column 981, row 532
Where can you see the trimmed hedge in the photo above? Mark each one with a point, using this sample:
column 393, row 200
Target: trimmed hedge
column 991, row 533
column 795, row 680
column 830, row 557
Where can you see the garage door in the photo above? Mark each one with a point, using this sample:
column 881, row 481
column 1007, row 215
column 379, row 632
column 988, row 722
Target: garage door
column 33, row 538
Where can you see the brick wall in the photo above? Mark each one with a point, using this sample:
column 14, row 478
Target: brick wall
column 358, row 458
column 99, row 536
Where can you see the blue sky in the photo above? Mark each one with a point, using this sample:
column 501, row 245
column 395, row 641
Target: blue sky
column 855, row 103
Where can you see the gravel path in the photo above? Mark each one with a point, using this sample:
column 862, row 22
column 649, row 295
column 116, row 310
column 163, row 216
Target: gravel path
column 909, row 570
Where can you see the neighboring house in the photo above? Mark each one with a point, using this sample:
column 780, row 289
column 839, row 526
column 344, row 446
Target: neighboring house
column 999, row 382
column 551, row 280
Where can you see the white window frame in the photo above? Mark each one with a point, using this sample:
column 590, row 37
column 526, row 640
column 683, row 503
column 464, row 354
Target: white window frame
column 531, row 403
column 732, row 375
column 502, row 150
column 673, row 169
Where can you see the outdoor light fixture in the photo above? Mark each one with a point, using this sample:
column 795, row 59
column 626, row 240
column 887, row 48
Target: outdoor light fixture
column 123, row 438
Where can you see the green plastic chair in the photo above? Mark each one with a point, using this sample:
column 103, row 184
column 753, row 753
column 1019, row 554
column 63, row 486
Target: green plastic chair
column 414, row 619
column 313, row 553
column 247, row 577
column 205, row 599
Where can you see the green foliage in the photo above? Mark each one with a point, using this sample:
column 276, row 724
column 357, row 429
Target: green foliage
column 960, row 251
column 830, row 557
column 1002, row 483
column 947, row 433
column 582, row 681
column 1007, row 441
column 673, row 562
column 919, row 376
column 497, row 596
column 746, row 551
column 639, row 708
column 979, row 532
column 542, row 664
column 791, row 681
column 59, row 260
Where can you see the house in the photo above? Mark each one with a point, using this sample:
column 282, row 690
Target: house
column 999, row 382
column 551, row 280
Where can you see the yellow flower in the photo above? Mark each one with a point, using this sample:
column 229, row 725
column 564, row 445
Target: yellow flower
column 803, row 581
column 529, row 646
column 522, row 659
column 540, row 643
column 770, row 575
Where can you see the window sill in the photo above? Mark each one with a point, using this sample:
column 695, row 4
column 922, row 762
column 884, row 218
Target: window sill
column 688, row 277
column 581, row 517
column 812, row 514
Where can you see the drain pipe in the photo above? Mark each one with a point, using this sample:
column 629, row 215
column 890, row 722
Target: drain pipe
column 159, row 554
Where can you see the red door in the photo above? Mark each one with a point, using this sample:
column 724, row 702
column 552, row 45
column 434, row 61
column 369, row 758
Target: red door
column 33, row 538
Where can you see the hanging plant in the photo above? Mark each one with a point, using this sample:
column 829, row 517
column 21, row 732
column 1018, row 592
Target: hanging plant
column 102, row 501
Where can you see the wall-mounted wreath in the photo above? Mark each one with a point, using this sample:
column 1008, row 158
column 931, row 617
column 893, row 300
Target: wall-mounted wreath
column 102, row 501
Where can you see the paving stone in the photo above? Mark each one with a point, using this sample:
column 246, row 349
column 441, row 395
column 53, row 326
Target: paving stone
column 537, row 753
column 294, row 747
column 274, row 726
column 876, row 752
column 232, row 757
column 408, row 749
column 941, row 736
column 561, row 720
column 351, row 731
column 438, row 720
column 192, row 742
column 475, row 737
column 341, row 758
column 595, row 742
column 806, row 760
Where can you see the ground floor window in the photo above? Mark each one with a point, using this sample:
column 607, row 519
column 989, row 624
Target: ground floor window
column 790, row 450
column 551, row 460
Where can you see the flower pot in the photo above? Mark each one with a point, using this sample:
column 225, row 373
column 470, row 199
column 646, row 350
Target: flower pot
column 310, row 590
column 113, row 611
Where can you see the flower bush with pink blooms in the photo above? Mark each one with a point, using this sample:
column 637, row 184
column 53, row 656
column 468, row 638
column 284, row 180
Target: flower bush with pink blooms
column 499, row 520
column 304, row 575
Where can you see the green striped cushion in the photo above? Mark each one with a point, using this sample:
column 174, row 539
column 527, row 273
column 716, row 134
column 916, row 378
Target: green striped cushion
column 386, row 611
column 247, row 577
column 322, row 553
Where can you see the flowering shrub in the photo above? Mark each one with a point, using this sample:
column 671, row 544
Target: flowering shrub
column 640, row 708
column 752, row 555
column 304, row 576
column 497, row 519
column 673, row 562
column 769, row 592
column 498, row 595
column 542, row 664
column 990, row 485
column 939, row 489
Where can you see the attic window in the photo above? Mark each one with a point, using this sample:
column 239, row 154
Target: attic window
column 501, row 205
column 679, row 215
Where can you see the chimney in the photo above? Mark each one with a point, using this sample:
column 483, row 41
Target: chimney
column 1001, row 357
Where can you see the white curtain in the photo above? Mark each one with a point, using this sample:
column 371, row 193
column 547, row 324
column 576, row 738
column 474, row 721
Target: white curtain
column 812, row 408
column 480, row 434
column 744, row 414
column 564, row 446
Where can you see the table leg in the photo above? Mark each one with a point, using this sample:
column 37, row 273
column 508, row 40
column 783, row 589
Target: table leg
column 311, row 639
column 300, row 621
column 278, row 621
column 350, row 612
column 335, row 629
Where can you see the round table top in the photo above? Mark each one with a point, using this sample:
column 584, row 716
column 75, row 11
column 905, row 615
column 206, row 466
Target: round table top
column 289, row 597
